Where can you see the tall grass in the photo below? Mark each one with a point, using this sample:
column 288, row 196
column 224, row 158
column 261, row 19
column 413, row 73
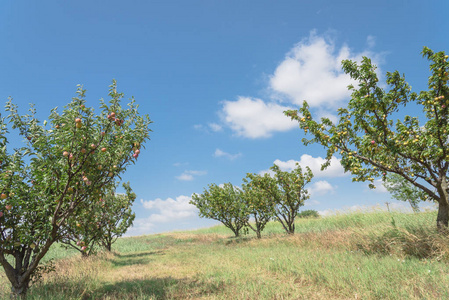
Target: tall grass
column 346, row 256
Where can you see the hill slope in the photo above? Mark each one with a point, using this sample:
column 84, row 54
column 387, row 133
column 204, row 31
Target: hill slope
column 354, row 256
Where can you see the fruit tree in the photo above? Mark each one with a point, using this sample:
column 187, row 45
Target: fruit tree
column 371, row 145
column 60, row 168
column 223, row 203
column 287, row 191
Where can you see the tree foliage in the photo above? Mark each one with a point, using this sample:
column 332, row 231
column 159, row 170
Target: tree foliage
column 288, row 193
column 107, row 218
column 260, row 205
column 116, row 215
column 372, row 145
column 402, row 190
column 223, row 203
column 65, row 164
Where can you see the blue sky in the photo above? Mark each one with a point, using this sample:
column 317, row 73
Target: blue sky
column 214, row 76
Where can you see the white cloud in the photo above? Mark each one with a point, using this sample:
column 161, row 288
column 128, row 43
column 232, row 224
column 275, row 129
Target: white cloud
column 210, row 127
column 215, row 127
column 189, row 175
column 170, row 209
column 314, row 163
column 320, row 188
column 371, row 41
column 253, row 118
column 140, row 226
column 380, row 188
column 312, row 71
column 311, row 203
column 220, row 153
column 164, row 211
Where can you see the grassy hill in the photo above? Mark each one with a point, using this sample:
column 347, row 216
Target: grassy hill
column 348, row 256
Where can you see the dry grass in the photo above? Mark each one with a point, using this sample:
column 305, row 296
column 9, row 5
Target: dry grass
column 362, row 260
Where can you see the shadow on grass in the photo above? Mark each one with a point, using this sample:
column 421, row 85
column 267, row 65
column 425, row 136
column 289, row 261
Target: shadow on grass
column 154, row 288
column 121, row 260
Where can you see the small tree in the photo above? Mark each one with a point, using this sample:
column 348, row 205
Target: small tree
column 370, row 143
column 224, row 204
column 288, row 193
column 101, row 223
column 403, row 190
column 309, row 213
column 59, row 170
column 116, row 217
column 259, row 204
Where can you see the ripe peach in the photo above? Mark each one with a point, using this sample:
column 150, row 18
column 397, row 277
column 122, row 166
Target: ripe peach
column 77, row 120
column 8, row 207
column 65, row 153
column 3, row 196
column 78, row 125
column 93, row 146
column 103, row 149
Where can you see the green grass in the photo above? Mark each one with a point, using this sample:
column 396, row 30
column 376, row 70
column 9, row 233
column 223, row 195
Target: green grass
column 346, row 256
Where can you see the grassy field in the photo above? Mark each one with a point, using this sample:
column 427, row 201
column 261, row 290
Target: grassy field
column 348, row 256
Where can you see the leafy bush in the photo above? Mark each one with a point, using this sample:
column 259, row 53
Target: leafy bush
column 310, row 213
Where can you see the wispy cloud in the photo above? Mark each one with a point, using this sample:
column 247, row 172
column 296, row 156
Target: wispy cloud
column 215, row 127
column 220, row 153
column 189, row 175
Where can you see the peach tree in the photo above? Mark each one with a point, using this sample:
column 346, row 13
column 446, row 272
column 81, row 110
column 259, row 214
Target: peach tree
column 287, row 190
column 64, row 164
column 372, row 145
column 100, row 222
column 402, row 190
column 116, row 215
column 260, row 205
column 223, row 203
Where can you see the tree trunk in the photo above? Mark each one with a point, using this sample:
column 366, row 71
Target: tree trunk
column 443, row 216
column 291, row 227
column 19, row 289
